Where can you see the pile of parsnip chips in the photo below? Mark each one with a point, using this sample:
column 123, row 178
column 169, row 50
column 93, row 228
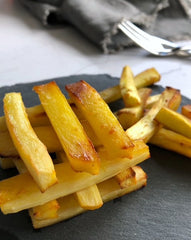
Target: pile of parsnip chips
column 97, row 151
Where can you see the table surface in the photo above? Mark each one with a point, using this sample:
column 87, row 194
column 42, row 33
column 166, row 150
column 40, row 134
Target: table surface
column 29, row 52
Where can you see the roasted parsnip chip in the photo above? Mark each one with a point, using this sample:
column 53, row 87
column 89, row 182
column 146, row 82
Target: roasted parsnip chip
column 143, row 79
column 126, row 177
column 88, row 198
column 186, row 111
column 147, row 78
column 16, row 196
column 146, row 127
column 109, row 189
column 101, row 119
column 172, row 141
column 174, row 103
column 48, row 210
column 78, row 147
column 142, row 129
column 152, row 100
column 30, row 148
column 129, row 116
column 174, row 121
column 128, row 89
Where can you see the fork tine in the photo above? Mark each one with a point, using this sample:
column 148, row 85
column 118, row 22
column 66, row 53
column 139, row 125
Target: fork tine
column 139, row 39
column 149, row 42
column 137, row 30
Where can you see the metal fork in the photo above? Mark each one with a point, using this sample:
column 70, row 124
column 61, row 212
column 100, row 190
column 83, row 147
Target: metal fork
column 152, row 44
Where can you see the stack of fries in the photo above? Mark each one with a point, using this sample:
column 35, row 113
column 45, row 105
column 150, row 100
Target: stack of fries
column 97, row 151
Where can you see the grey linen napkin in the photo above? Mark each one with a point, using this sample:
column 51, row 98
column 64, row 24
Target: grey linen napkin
column 98, row 19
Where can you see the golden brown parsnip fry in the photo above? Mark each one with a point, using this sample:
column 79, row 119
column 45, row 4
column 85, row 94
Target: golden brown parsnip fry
column 78, row 147
column 88, row 198
column 48, row 210
column 152, row 100
column 186, row 111
column 7, row 162
column 111, row 94
column 129, row 116
column 109, row 190
column 16, row 196
column 46, row 134
column 146, row 127
column 141, row 130
column 128, row 89
column 174, row 103
column 143, row 79
column 174, row 121
column 101, row 119
column 172, row 141
column 32, row 151
column 126, row 177
column 147, row 78
column 176, row 99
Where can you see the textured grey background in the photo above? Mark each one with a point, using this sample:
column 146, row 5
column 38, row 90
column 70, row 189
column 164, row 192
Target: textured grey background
column 159, row 211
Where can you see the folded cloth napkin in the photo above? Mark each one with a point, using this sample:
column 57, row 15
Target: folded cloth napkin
column 98, row 19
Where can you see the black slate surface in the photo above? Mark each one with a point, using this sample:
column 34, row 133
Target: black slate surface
column 162, row 210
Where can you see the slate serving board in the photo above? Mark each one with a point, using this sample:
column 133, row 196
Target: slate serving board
column 162, row 210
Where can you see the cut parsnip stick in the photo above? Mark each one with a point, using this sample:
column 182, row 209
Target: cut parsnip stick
column 172, row 141
column 152, row 100
column 174, row 121
column 146, row 127
column 143, row 79
column 128, row 89
column 142, row 129
column 174, row 103
column 32, row 151
column 88, row 198
column 7, row 162
column 126, row 177
column 186, row 111
column 16, row 196
column 147, row 78
column 46, row 134
column 101, row 119
column 109, row 190
column 129, row 116
column 45, row 211
column 77, row 146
